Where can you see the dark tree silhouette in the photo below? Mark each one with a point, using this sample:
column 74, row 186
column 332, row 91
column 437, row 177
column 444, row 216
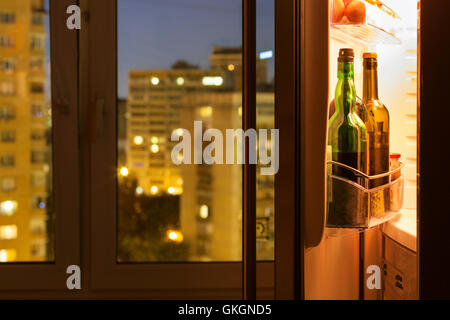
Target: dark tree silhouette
column 183, row 64
column 143, row 222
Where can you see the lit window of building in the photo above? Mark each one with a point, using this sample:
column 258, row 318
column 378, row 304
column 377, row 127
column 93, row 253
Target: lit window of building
column 7, row 255
column 7, row 88
column 175, row 236
column 154, row 189
column 212, row 81
column 124, row 171
column 8, row 232
column 180, row 81
column 155, row 148
column 154, row 81
column 138, row 140
column 139, row 190
column 8, row 208
column 206, row 111
column 204, row 211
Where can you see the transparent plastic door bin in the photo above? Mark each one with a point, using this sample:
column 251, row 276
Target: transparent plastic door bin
column 369, row 21
column 351, row 204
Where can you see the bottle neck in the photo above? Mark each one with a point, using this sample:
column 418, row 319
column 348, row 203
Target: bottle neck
column 370, row 80
column 345, row 94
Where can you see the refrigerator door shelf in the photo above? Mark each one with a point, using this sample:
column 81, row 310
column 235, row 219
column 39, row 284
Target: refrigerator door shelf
column 368, row 22
column 351, row 205
column 366, row 34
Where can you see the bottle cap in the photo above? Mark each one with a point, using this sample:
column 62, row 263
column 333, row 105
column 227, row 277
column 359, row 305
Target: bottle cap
column 370, row 55
column 346, row 55
column 395, row 156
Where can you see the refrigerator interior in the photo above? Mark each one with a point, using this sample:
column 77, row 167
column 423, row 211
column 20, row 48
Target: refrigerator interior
column 332, row 269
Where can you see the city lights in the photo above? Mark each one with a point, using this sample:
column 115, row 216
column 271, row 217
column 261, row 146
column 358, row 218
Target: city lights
column 154, row 148
column 206, row 111
column 155, row 81
column 7, row 255
column 204, row 211
column 171, row 190
column 138, row 140
column 175, row 236
column 123, row 171
column 8, row 232
column 154, row 139
column 154, row 189
column 139, row 190
column 231, row 67
column 8, row 208
column 180, row 81
column 212, row 81
column 3, row 256
column 264, row 55
column 179, row 132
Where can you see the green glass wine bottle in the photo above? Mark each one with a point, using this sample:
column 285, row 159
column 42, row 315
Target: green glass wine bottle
column 348, row 141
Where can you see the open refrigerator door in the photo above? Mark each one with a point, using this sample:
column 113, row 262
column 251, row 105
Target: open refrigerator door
column 340, row 266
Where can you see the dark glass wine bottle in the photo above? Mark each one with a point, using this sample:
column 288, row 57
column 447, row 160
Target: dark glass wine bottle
column 378, row 123
column 348, row 141
column 378, row 128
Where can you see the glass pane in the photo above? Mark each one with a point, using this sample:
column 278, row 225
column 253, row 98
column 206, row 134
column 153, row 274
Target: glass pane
column 265, row 119
column 26, row 215
column 179, row 62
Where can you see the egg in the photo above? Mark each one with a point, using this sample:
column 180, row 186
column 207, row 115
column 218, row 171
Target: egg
column 338, row 10
column 356, row 11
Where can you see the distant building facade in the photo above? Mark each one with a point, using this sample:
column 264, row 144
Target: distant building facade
column 25, row 121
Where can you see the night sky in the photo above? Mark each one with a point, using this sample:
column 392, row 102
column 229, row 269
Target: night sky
column 153, row 34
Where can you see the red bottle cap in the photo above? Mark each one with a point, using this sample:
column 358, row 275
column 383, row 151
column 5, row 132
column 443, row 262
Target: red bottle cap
column 395, row 156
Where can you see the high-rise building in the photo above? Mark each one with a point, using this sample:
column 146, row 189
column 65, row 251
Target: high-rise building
column 161, row 101
column 154, row 110
column 25, row 133
column 211, row 203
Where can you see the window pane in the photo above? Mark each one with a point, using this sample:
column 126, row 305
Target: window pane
column 26, row 216
column 265, row 119
column 179, row 62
